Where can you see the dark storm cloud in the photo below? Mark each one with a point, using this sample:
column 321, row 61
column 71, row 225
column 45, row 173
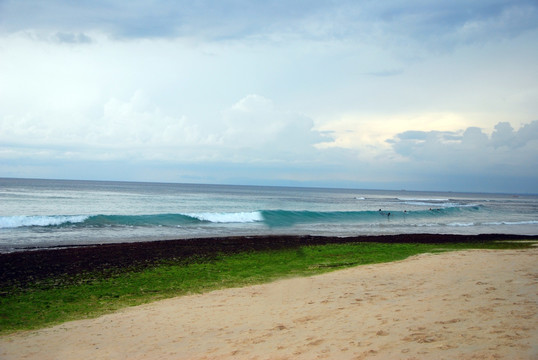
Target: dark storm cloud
column 472, row 147
column 140, row 19
column 440, row 21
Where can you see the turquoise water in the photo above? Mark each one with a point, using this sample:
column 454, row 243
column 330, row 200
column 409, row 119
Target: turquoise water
column 43, row 213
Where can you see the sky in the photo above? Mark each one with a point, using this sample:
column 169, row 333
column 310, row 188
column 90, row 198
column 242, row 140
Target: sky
column 416, row 95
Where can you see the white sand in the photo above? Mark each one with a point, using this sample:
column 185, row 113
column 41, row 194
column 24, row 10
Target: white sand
column 463, row 305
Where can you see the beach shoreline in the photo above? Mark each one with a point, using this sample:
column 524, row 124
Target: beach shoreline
column 476, row 304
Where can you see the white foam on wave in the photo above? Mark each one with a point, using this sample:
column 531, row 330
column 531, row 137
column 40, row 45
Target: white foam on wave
column 440, row 204
column 238, row 217
column 529, row 222
column 461, row 224
column 423, row 199
column 7, row 222
column 432, row 204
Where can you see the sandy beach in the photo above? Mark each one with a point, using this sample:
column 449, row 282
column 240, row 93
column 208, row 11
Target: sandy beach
column 479, row 304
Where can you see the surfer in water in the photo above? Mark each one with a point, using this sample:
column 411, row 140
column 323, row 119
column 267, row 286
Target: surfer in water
column 384, row 213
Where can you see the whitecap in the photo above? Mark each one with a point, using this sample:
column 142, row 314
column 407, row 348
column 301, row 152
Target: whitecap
column 237, row 217
column 423, row 199
column 461, row 224
column 529, row 222
column 7, row 222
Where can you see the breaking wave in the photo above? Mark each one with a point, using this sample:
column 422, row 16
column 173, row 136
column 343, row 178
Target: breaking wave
column 35, row 220
column 271, row 218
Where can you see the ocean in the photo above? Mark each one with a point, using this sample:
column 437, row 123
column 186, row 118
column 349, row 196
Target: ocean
column 55, row 213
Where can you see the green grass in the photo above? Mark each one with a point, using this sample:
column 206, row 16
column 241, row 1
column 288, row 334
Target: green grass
column 39, row 306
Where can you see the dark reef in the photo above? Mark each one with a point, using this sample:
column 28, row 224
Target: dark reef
column 24, row 267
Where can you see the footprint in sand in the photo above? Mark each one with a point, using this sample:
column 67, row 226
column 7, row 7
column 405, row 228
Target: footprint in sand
column 315, row 342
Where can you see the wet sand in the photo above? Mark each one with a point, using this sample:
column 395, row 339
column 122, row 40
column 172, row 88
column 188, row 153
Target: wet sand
column 478, row 304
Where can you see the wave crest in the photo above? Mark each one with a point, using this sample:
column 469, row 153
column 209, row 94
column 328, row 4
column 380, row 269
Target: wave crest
column 237, row 217
column 7, row 222
column 271, row 218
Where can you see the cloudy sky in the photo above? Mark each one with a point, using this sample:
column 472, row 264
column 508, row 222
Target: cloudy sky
column 418, row 95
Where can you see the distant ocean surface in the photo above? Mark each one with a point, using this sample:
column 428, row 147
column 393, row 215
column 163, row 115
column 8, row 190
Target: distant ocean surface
column 49, row 213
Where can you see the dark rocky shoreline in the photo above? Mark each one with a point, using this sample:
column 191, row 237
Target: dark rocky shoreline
column 24, row 267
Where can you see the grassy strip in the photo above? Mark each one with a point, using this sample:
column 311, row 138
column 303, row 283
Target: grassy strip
column 37, row 307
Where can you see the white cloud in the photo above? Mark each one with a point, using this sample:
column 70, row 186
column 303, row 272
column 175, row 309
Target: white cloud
column 367, row 133
column 473, row 150
column 253, row 129
column 256, row 125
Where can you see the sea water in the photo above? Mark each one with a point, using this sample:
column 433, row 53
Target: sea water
column 51, row 213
